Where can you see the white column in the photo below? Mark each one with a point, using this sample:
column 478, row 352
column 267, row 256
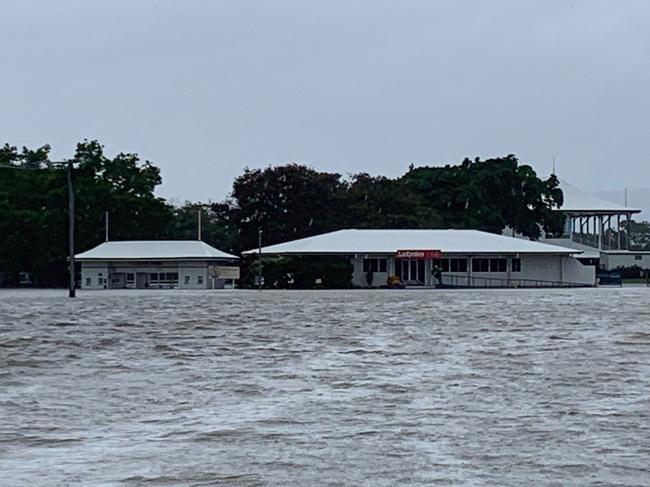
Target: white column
column 600, row 232
column 627, row 240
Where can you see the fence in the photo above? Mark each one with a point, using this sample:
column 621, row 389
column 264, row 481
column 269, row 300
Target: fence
column 496, row 282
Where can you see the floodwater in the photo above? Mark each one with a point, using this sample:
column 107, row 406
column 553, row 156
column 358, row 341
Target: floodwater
column 376, row 388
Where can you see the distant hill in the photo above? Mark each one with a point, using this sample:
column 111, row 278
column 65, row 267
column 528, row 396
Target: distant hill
column 636, row 198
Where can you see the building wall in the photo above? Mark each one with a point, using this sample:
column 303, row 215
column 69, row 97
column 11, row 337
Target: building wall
column 359, row 278
column 578, row 273
column 94, row 275
column 191, row 275
column 610, row 261
column 552, row 268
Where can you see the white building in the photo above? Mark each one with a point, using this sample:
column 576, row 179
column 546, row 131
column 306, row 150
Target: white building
column 594, row 226
column 157, row 264
column 466, row 258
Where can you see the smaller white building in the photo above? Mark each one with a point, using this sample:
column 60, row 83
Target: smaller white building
column 157, row 264
column 451, row 258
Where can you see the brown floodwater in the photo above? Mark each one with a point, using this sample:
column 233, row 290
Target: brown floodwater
column 376, row 388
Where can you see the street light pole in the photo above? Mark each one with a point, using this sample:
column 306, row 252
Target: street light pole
column 71, row 270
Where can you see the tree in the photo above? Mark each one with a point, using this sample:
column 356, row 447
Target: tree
column 304, row 272
column 286, row 202
column 33, row 207
column 490, row 195
column 380, row 202
column 218, row 229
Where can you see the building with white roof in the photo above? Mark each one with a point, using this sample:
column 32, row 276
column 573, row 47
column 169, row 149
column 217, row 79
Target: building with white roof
column 593, row 225
column 142, row 264
column 465, row 258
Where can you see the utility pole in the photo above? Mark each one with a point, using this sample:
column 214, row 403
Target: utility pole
column 73, row 284
column 259, row 259
column 71, row 268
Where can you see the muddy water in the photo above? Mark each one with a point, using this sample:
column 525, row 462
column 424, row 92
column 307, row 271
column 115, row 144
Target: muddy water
column 237, row 388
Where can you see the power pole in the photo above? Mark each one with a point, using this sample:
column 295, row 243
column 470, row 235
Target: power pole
column 71, row 270
column 259, row 259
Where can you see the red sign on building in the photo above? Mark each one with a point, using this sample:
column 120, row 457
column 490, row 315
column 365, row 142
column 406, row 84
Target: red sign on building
column 418, row 254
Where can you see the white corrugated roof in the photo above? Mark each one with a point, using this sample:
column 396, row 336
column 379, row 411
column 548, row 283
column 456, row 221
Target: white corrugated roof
column 153, row 250
column 579, row 201
column 389, row 241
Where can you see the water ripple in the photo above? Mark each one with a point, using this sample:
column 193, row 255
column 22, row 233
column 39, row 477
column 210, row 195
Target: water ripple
column 163, row 388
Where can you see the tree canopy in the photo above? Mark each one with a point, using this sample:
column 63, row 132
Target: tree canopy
column 34, row 199
column 286, row 202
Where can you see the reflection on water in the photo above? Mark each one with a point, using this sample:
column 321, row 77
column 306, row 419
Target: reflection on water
column 325, row 388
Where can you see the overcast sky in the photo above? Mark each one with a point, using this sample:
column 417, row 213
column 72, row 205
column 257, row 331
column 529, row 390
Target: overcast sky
column 206, row 88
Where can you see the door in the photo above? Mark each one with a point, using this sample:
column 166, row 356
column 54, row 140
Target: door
column 141, row 281
column 410, row 271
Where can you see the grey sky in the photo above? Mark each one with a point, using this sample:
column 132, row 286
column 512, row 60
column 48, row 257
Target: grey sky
column 205, row 88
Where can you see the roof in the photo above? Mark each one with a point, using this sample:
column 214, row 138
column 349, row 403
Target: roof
column 153, row 250
column 587, row 252
column 577, row 201
column 389, row 241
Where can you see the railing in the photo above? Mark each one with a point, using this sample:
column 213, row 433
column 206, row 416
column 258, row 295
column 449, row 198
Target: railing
column 497, row 282
column 586, row 239
column 592, row 241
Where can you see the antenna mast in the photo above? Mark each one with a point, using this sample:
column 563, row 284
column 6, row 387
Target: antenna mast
column 106, row 225
column 199, row 229
column 554, row 165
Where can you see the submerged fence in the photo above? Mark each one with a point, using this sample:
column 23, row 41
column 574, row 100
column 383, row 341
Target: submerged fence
column 497, row 282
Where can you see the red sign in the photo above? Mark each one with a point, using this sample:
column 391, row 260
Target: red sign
column 418, row 254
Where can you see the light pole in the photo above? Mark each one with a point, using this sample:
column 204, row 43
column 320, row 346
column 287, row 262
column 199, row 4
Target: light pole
column 72, row 284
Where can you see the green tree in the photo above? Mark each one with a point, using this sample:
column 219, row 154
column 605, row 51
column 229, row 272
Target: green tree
column 34, row 199
column 380, row 202
column 286, row 202
column 217, row 226
column 304, row 272
column 490, row 195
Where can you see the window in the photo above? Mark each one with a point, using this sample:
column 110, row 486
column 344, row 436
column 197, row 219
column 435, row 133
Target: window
column 199, row 279
column 153, row 277
column 516, row 265
column 450, row 265
column 187, row 279
column 375, row 265
column 489, row 265
column 498, row 265
column 457, row 265
column 89, row 281
column 129, row 277
column 638, row 257
column 480, row 265
column 442, row 264
column 100, row 281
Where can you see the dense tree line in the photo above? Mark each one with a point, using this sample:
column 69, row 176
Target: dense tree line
column 286, row 202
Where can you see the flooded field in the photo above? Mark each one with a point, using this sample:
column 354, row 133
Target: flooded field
column 164, row 388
